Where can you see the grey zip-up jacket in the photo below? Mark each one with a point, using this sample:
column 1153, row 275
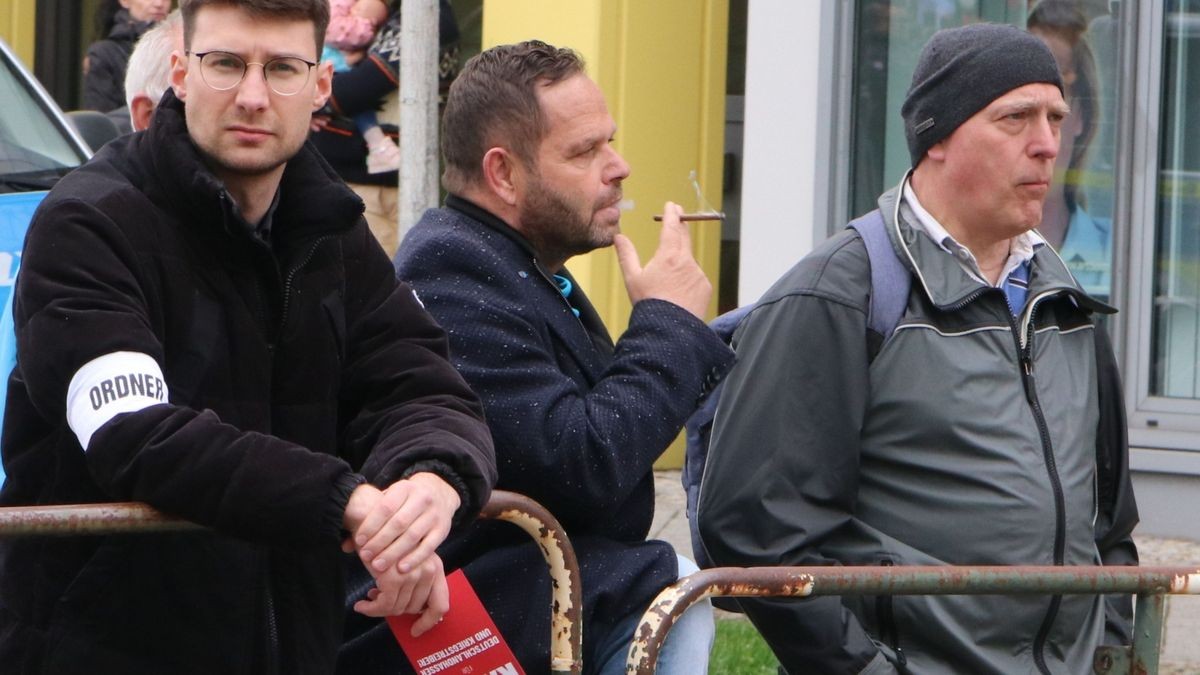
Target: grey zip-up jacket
column 972, row 437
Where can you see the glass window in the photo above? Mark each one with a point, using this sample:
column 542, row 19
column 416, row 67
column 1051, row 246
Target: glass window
column 1175, row 343
column 34, row 148
column 1082, row 35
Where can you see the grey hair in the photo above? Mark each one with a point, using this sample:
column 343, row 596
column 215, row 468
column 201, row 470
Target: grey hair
column 149, row 69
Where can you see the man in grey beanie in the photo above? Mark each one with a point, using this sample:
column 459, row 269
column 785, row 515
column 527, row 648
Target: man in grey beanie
column 980, row 424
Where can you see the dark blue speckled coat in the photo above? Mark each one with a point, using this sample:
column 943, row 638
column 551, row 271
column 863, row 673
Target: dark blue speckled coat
column 577, row 420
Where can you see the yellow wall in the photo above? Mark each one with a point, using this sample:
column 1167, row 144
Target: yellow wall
column 661, row 65
column 17, row 28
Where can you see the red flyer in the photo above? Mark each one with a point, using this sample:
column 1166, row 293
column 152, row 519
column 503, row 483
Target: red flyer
column 466, row 641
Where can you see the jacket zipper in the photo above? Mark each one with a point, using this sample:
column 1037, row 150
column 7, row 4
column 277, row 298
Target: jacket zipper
column 1023, row 337
column 260, row 307
column 967, row 300
column 291, row 276
column 1024, row 334
column 272, row 665
column 263, row 319
column 889, row 633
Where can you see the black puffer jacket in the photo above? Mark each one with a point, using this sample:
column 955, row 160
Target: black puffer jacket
column 288, row 366
column 104, row 76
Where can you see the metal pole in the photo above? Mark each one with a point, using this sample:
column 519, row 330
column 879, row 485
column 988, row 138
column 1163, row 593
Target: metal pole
column 16, row 521
column 797, row 582
column 418, row 111
column 1148, row 619
column 566, row 595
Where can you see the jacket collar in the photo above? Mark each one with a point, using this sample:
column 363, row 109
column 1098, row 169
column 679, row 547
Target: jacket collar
column 314, row 199
column 591, row 355
column 944, row 281
column 478, row 213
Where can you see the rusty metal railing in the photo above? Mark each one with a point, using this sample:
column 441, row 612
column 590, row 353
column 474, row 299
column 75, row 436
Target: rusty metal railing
column 566, row 600
column 566, row 595
column 1148, row 583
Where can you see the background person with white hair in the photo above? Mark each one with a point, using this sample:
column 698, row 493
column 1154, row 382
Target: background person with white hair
column 147, row 73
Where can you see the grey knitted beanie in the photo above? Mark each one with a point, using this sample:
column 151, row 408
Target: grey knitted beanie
column 961, row 71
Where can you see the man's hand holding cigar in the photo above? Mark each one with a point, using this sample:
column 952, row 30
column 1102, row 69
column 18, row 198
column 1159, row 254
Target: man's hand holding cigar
column 672, row 274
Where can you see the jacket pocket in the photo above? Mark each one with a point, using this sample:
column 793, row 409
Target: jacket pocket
column 86, row 615
column 335, row 313
column 204, row 339
column 138, row 604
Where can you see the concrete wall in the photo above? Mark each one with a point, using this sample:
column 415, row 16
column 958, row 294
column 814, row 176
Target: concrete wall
column 789, row 132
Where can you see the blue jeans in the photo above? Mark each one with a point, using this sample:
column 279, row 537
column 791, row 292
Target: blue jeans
column 688, row 643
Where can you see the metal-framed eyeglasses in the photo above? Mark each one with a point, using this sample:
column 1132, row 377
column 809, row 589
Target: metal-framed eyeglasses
column 285, row 75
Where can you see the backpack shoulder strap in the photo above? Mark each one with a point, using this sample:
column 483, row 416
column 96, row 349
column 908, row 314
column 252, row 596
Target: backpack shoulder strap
column 890, row 279
column 890, row 284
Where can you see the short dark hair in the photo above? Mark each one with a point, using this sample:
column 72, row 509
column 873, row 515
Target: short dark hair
column 494, row 100
column 316, row 11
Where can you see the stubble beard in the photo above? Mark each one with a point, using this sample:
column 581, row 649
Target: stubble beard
column 250, row 163
column 558, row 231
column 249, row 168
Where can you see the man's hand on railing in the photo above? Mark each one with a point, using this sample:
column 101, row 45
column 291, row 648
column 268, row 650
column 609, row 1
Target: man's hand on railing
column 402, row 525
column 426, row 589
column 395, row 532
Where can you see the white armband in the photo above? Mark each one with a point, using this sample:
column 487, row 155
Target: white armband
column 109, row 385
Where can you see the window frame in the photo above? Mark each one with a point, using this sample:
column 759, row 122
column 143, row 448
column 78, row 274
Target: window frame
column 1155, row 422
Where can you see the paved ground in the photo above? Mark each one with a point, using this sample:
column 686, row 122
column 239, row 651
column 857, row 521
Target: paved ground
column 1181, row 648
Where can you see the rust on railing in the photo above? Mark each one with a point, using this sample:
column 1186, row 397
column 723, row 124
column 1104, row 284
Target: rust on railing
column 566, row 596
column 1149, row 583
column 76, row 519
column 566, row 604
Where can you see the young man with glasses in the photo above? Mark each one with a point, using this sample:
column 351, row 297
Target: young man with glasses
column 206, row 324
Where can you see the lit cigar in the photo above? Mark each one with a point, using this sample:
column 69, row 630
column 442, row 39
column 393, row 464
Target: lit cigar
column 695, row 216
